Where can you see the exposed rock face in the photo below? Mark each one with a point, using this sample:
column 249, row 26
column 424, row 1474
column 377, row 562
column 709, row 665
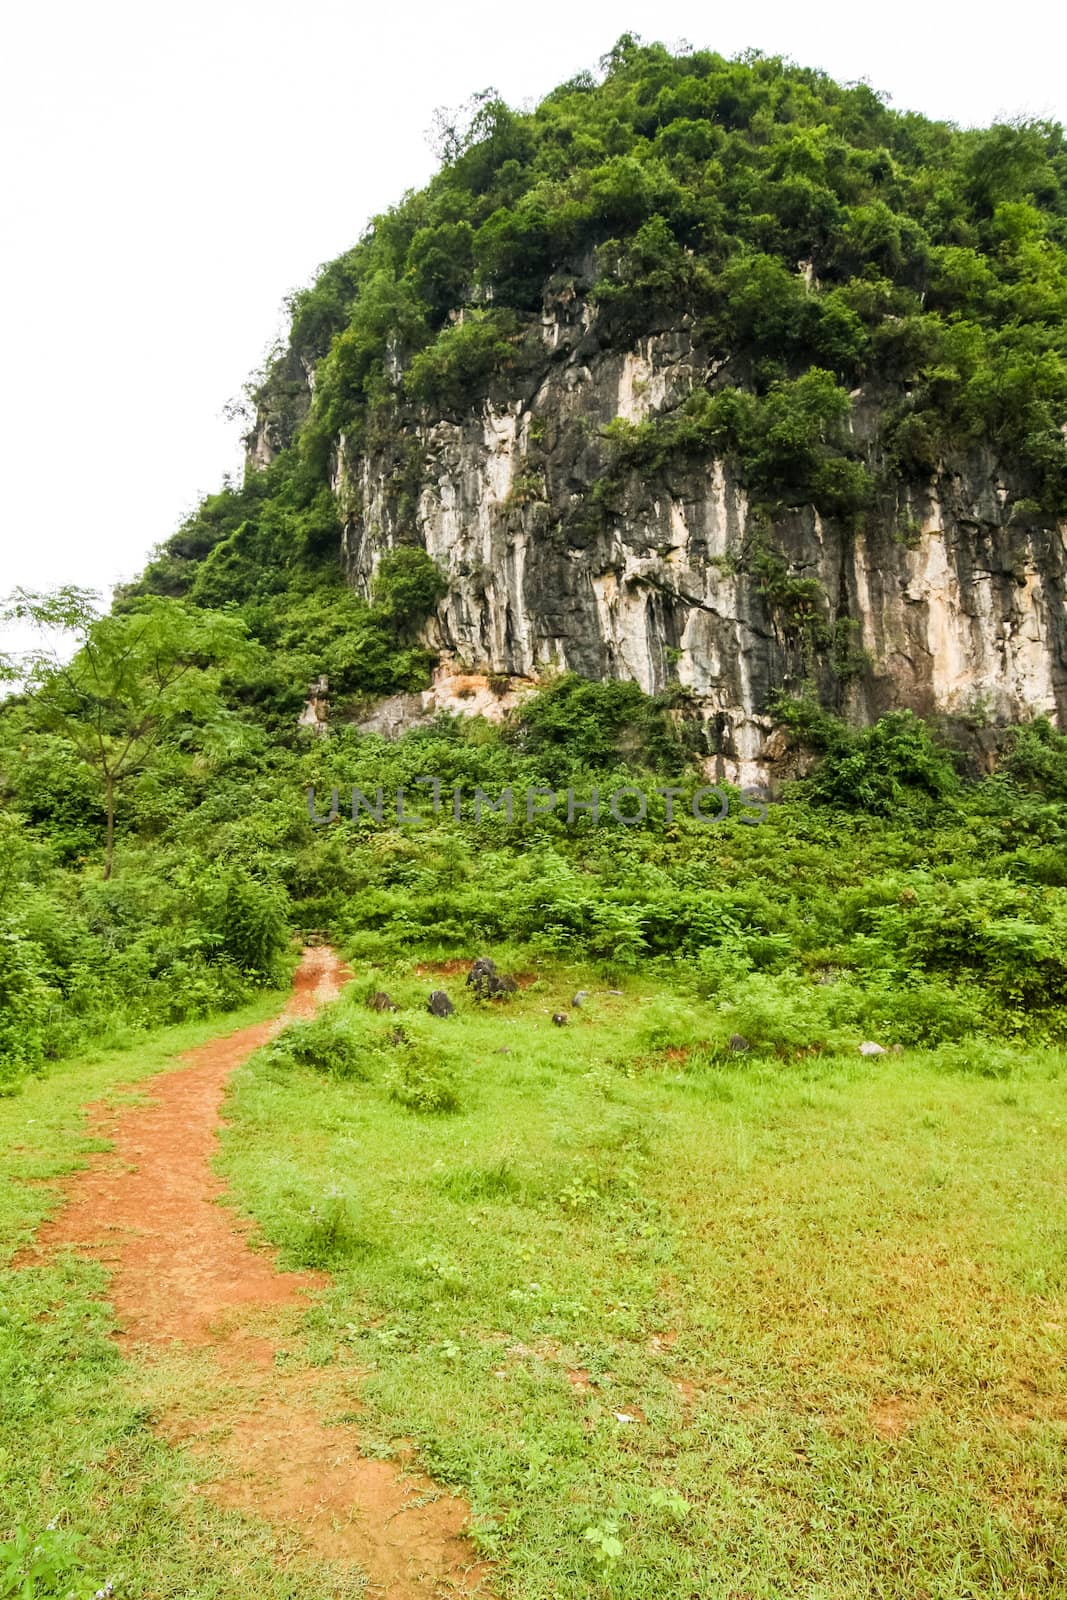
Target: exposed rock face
column 316, row 710
column 465, row 694
column 956, row 609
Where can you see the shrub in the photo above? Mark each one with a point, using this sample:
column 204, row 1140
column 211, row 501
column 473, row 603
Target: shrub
column 422, row 1079
column 454, row 372
column 1037, row 759
column 576, row 723
column 669, row 1024
column 1012, row 939
column 25, row 999
column 902, row 1008
column 784, row 1013
column 407, row 586
column 877, row 769
column 324, row 1045
column 978, row 1057
column 248, row 922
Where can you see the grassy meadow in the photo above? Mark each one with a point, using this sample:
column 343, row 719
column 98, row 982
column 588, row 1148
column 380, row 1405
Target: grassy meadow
column 681, row 1320
column 678, row 1320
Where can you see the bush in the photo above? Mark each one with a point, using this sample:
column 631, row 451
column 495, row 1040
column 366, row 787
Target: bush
column 575, row 724
column 324, row 1044
column 1013, row 940
column 25, row 1000
column 247, row 922
column 1037, row 759
column 878, row 769
column 454, row 372
column 902, row 1008
column 791, row 445
column 407, row 586
column 978, row 1057
column 785, row 1013
column 422, row 1079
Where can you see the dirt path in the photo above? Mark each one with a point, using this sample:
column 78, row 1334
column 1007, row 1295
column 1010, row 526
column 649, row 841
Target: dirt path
column 184, row 1278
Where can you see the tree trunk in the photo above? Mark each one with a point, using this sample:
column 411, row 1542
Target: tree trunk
column 109, row 852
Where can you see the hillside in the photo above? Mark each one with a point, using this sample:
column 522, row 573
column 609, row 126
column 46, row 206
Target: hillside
column 712, row 375
column 448, row 456
column 623, row 702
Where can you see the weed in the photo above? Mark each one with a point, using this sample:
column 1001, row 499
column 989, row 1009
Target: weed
column 606, row 1545
column 422, row 1080
column 324, row 1044
column 37, row 1566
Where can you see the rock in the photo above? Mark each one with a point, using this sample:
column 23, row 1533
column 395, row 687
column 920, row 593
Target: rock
column 482, row 970
column 439, row 1005
column 739, row 1043
column 316, row 713
column 582, row 995
column 487, row 982
column 559, row 1018
column 561, row 598
column 869, row 1048
column 380, row 1001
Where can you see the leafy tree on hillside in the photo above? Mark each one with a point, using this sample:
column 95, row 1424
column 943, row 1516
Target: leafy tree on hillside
column 135, row 679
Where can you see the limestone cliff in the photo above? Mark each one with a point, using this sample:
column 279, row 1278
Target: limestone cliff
column 714, row 375
column 945, row 603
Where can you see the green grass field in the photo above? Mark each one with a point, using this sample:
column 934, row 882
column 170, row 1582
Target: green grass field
column 681, row 1323
column 678, row 1322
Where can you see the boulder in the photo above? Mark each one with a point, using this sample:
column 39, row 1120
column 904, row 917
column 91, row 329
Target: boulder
column 487, row 982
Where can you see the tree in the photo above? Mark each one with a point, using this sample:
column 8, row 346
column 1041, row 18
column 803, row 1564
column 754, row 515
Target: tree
column 135, row 678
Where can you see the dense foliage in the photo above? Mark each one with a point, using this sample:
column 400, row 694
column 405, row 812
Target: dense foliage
column 817, row 243
column 824, row 250
column 804, row 226
column 887, row 895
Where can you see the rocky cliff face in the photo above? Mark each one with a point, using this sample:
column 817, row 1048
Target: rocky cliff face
column 943, row 603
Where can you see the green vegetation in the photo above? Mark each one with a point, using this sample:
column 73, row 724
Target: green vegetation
column 681, row 1321
column 815, row 242
column 937, row 904
column 674, row 1318
column 720, row 1305
column 133, row 679
column 792, row 441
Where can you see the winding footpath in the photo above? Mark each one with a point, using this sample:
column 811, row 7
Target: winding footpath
column 192, row 1295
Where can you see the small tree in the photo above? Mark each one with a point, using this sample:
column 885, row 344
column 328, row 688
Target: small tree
column 135, row 678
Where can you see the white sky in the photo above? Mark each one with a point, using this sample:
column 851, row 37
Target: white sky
column 171, row 172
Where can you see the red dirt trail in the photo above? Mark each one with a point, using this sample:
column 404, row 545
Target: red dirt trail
column 182, row 1270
